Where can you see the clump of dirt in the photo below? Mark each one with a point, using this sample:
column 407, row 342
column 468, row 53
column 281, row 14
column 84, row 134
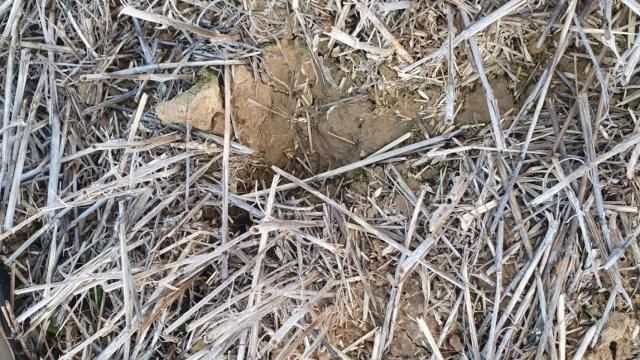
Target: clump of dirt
column 201, row 106
column 354, row 130
column 475, row 104
column 618, row 339
column 263, row 110
column 257, row 110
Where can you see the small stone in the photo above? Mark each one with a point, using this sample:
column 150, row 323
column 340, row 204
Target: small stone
column 201, row 106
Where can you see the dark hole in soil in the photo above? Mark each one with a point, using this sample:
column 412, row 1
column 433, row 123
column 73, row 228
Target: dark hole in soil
column 241, row 220
column 613, row 346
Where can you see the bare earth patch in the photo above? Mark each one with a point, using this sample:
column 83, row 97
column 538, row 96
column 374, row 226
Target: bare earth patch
column 619, row 340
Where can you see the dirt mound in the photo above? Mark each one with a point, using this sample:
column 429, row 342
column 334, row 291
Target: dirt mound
column 264, row 110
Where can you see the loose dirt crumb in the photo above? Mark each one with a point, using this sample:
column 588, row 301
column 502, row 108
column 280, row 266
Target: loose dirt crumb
column 402, row 205
column 455, row 343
